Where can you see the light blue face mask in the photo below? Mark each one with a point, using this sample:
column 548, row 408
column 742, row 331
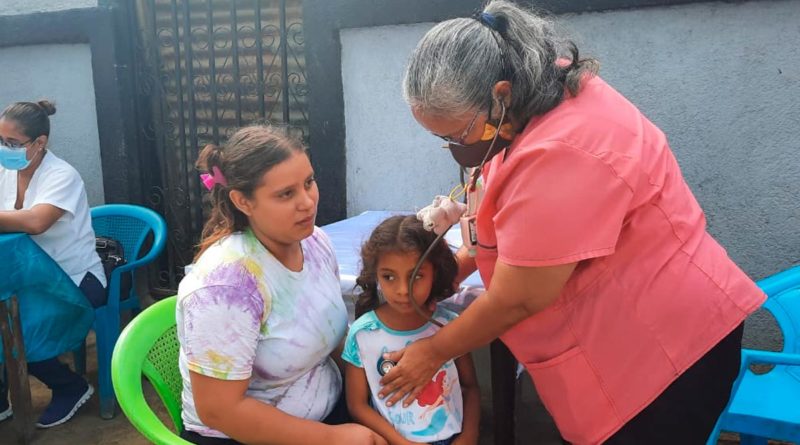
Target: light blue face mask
column 13, row 159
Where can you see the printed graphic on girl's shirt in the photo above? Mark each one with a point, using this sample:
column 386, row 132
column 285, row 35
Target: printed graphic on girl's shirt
column 438, row 411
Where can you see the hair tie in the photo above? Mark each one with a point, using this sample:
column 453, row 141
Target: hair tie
column 491, row 21
column 488, row 19
column 213, row 178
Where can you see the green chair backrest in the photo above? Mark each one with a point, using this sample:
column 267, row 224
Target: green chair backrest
column 149, row 346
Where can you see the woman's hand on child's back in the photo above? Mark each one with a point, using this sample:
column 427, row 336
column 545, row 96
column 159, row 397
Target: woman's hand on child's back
column 354, row 434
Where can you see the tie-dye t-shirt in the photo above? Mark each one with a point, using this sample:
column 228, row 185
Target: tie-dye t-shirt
column 242, row 314
column 438, row 411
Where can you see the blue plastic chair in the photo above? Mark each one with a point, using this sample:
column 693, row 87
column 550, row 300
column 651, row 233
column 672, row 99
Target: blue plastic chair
column 767, row 405
column 130, row 225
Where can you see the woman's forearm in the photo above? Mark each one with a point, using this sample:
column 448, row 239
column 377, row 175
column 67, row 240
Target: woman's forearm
column 466, row 265
column 18, row 221
column 516, row 293
column 224, row 406
column 33, row 221
column 477, row 326
column 255, row 423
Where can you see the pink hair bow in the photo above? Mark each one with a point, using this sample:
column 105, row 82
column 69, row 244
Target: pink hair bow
column 215, row 177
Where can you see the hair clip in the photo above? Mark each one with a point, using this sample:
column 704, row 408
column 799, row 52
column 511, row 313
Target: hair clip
column 491, row 21
column 215, row 177
column 488, row 19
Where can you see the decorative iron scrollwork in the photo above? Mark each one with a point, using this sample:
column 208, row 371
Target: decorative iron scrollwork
column 203, row 69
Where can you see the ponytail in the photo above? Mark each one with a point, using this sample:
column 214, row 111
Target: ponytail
column 224, row 218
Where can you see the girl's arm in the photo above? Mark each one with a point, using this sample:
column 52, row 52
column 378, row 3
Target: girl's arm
column 357, row 392
column 223, row 406
column 471, row 394
column 33, row 221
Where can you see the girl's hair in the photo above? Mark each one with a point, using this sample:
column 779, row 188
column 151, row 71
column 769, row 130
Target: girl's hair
column 249, row 153
column 457, row 63
column 31, row 117
column 403, row 233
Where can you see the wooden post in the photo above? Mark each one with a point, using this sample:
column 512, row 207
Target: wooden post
column 504, row 377
column 17, row 369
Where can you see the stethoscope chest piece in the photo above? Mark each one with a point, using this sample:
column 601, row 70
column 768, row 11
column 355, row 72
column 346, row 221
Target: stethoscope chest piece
column 385, row 365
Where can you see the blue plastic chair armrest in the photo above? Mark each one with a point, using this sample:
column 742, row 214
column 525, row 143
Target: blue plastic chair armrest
column 781, row 281
column 752, row 356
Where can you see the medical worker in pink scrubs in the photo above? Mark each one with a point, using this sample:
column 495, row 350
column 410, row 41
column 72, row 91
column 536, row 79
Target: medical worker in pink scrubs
column 601, row 277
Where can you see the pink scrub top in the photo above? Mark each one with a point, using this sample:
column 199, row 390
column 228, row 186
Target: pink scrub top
column 593, row 181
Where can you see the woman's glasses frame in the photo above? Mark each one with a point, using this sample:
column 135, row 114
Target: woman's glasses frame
column 460, row 141
column 15, row 145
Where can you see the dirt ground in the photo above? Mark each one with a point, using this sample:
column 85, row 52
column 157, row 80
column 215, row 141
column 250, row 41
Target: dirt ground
column 87, row 428
column 533, row 425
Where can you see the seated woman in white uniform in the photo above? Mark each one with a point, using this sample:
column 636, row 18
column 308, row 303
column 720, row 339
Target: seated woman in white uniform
column 44, row 196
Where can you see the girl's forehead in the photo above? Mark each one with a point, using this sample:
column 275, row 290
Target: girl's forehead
column 399, row 258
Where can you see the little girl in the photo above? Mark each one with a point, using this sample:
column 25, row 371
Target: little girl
column 448, row 409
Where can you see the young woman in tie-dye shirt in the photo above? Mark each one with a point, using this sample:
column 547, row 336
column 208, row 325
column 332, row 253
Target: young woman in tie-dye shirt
column 261, row 311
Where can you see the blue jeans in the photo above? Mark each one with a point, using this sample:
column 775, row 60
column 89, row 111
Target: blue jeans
column 93, row 290
column 54, row 374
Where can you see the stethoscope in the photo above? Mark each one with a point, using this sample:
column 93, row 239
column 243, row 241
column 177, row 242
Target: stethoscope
column 383, row 364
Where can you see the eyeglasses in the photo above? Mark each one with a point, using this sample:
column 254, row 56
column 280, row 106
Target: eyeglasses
column 464, row 134
column 15, row 145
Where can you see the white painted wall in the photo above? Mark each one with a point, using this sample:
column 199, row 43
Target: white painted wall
column 392, row 163
column 63, row 74
column 14, row 7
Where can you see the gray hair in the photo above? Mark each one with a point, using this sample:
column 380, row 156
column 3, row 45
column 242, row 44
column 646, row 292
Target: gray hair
column 457, row 63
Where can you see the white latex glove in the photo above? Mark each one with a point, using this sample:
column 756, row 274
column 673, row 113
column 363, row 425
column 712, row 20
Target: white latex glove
column 441, row 214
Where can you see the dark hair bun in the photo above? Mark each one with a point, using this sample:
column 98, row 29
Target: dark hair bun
column 48, row 107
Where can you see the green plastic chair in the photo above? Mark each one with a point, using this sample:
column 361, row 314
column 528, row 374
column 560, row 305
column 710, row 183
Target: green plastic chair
column 149, row 346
